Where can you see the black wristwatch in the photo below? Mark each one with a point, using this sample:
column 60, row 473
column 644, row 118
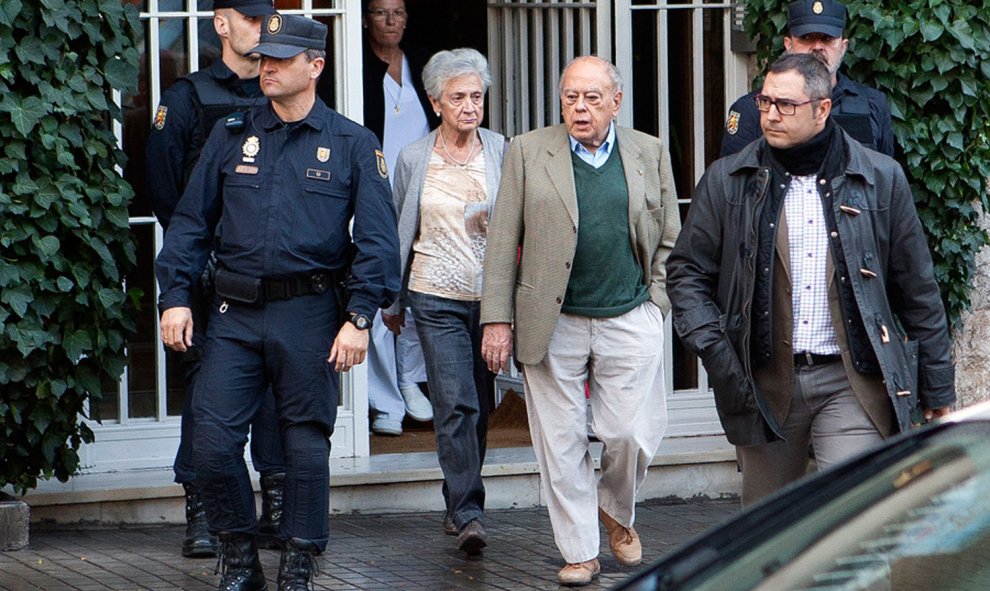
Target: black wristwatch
column 360, row 321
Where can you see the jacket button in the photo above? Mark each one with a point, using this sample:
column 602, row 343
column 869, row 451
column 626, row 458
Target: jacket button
column 567, row 265
column 559, row 301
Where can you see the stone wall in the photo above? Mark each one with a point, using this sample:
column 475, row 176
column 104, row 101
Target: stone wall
column 972, row 343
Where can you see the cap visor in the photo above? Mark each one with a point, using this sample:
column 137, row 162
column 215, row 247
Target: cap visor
column 277, row 50
column 255, row 10
column 801, row 30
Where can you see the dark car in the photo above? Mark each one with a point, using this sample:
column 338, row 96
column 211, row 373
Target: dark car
column 912, row 514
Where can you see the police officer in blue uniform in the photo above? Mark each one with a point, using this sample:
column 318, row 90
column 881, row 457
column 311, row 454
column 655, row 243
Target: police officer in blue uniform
column 816, row 27
column 274, row 199
column 183, row 120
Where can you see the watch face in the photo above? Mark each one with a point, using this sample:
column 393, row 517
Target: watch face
column 361, row 321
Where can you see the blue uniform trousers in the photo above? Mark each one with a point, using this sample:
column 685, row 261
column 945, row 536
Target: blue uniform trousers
column 284, row 345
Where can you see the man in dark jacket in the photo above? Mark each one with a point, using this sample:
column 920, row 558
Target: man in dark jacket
column 803, row 281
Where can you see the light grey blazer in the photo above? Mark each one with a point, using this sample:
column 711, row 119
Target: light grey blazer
column 410, row 175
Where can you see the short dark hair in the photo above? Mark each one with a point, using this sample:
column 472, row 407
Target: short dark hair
column 817, row 78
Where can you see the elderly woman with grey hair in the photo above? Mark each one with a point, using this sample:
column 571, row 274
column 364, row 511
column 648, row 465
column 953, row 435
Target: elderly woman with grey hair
column 445, row 187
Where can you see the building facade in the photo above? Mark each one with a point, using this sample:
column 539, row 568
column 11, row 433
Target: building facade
column 680, row 73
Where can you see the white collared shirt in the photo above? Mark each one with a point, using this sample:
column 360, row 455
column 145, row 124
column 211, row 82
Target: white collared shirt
column 601, row 154
column 808, row 240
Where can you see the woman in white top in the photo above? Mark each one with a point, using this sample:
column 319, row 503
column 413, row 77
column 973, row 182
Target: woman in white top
column 397, row 110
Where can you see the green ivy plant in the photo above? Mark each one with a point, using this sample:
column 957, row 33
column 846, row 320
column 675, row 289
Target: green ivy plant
column 932, row 60
column 65, row 243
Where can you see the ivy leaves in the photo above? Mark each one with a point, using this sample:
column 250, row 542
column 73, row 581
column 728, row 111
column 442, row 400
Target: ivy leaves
column 932, row 60
column 65, row 244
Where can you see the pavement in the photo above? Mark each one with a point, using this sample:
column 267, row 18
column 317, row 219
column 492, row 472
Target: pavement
column 406, row 552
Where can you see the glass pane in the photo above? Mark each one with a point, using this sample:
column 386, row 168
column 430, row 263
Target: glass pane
column 714, row 66
column 174, row 51
column 142, row 382
column 209, row 43
column 326, row 86
column 324, row 3
column 107, row 410
column 288, row 4
column 137, row 117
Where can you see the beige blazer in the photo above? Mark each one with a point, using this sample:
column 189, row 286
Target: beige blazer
column 537, row 210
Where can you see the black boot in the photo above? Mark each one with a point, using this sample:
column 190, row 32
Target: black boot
column 198, row 542
column 271, row 510
column 298, row 565
column 239, row 566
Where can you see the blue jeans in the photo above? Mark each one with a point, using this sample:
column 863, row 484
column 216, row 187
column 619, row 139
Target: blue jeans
column 462, row 394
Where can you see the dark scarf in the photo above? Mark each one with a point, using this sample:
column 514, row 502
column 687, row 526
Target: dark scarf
column 807, row 158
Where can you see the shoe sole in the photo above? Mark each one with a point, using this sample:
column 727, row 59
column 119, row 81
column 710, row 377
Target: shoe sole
column 472, row 545
column 199, row 552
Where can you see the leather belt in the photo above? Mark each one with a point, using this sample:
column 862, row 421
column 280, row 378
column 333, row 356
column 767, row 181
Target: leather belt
column 811, row 359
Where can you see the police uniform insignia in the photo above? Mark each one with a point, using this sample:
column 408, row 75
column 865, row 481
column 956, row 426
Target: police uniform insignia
column 382, row 167
column 322, row 154
column 251, row 147
column 275, row 24
column 160, row 117
column 817, row 8
column 732, row 123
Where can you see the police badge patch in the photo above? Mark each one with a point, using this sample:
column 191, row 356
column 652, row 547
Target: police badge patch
column 382, row 167
column 160, row 117
column 251, row 148
column 322, row 154
column 732, row 123
column 817, row 8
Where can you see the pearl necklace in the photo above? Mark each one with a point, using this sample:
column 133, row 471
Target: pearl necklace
column 443, row 144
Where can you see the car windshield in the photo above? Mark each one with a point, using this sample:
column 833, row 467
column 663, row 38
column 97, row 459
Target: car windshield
column 918, row 522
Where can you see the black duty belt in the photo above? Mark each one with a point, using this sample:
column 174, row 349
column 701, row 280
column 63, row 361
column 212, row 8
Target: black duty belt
column 811, row 359
column 254, row 290
column 286, row 289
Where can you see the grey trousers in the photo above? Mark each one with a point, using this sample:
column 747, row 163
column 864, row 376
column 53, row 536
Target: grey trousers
column 824, row 411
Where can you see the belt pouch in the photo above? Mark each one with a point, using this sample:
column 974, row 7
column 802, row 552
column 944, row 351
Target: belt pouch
column 238, row 288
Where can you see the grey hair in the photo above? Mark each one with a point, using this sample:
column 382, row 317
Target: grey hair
column 613, row 72
column 817, row 77
column 312, row 54
column 447, row 65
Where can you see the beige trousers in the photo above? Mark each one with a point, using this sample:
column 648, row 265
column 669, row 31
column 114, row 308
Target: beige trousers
column 621, row 360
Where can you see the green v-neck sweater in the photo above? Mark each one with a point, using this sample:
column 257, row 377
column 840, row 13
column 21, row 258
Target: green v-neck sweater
column 606, row 281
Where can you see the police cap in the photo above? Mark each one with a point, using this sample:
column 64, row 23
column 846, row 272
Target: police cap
column 284, row 36
column 246, row 7
column 816, row 16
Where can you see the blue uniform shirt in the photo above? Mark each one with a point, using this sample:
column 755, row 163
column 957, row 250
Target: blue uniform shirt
column 275, row 200
column 178, row 134
column 860, row 110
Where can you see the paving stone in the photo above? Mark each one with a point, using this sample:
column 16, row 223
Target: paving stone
column 405, row 552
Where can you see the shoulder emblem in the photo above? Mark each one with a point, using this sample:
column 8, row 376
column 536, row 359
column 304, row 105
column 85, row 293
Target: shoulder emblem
column 160, row 117
column 382, row 167
column 732, row 123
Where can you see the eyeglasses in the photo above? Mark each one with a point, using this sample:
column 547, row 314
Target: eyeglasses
column 784, row 106
column 380, row 14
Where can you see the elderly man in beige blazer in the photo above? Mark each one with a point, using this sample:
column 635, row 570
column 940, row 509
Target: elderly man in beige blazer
column 592, row 207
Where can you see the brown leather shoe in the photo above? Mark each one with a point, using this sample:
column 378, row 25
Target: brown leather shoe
column 579, row 574
column 624, row 541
